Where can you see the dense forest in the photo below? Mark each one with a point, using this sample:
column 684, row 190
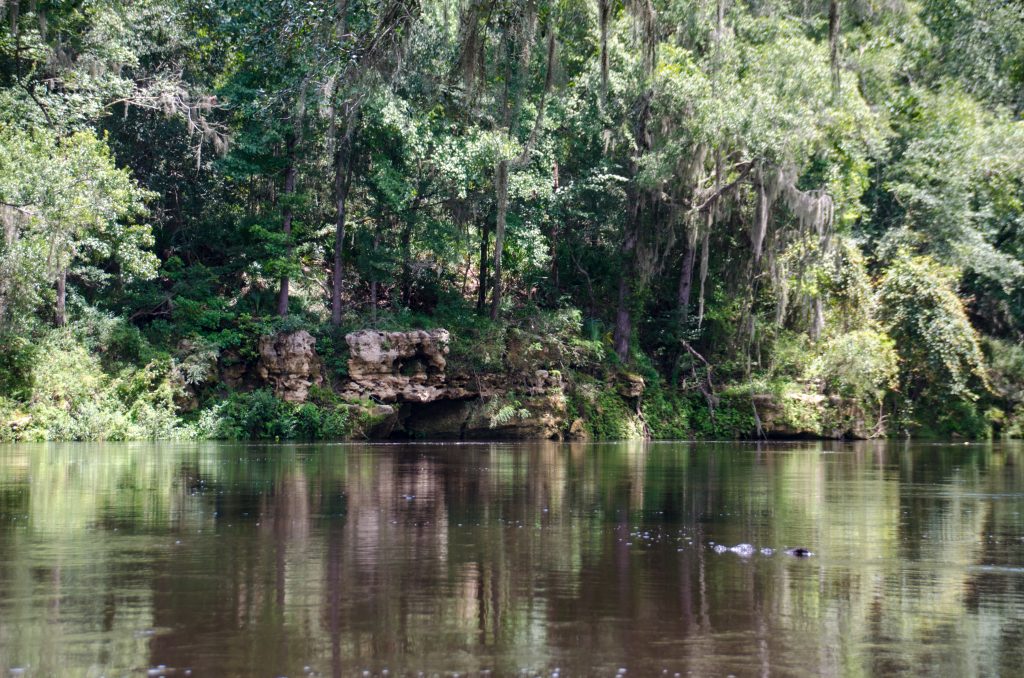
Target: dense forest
column 812, row 207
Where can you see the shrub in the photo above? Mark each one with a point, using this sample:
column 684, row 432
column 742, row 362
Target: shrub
column 938, row 348
column 74, row 398
column 313, row 422
column 259, row 415
column 731, row 418
column 1006, row 370
column 605, row 415
column 666, row 414
column 17, row 357
column 501, row 410
column 862, row 364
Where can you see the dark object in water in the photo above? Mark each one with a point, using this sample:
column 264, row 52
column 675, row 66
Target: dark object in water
column 799, row 552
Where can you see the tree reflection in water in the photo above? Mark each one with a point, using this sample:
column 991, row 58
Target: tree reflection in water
column 285, row 559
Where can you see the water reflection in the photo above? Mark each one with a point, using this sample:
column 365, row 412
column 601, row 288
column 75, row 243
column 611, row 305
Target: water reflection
column 339, row 559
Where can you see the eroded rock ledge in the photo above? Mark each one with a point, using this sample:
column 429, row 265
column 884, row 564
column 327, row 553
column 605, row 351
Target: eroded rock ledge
column 402, row 383
column 399, row 366
column 289, row 364
column 286, row 362
column 401, row 380
column 407, row 370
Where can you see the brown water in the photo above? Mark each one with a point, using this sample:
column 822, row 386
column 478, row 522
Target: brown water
column 335, row 560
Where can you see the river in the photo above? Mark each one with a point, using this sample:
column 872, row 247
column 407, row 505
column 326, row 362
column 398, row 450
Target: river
column 210, row 559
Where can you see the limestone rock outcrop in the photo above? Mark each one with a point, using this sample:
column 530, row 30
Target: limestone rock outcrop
column 233, row 369
column 811, row 415
column 399, row 366
column 630, row 385
column 540, row 417
column 289, row 364
column 408, row 369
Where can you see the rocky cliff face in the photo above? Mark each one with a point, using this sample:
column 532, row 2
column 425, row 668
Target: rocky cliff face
column 398, row 366
column 409, row 370
column 811, row 415
column 406, row 376
column 537, row 417
column 289, row 364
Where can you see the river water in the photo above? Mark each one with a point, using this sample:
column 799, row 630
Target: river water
column 212, row 559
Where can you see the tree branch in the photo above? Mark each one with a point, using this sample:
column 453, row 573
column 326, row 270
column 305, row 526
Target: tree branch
column 725, row 189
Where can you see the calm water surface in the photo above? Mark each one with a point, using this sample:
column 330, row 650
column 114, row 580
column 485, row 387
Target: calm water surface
column 335, row 560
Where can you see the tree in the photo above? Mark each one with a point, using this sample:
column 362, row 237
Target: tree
column 66, row 203
column 938, row 348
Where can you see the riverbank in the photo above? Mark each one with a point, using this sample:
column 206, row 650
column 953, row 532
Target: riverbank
column 100, row 378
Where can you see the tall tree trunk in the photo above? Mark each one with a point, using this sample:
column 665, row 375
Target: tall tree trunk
column 481, row 294
column 553, row 239
column 501, row 195
column 406, row 243
column 686, row 281
column 501, row 171
column 8, row 219
column 703, row 276
column 342, row 182
column 59, row 318
column 407, row 262
column 12, row 14
column 373, row 279
column 833, row 45
column 635, row 197
column 760, row 225
column 623, row 319
column 286, row 220
column 604, row 12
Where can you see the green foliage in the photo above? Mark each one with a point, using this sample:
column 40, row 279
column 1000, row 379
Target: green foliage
column 954, row 418
column 862, row 365
column 666, row 414
column 256, row 415
column 941, row 188
column 732, row 417
column 790, row 353
column 850, row 290
column 17, row 359
column 605, row 415
column 76, row 394
column 1006, row 374
column 1014, row 424
column 549, row 339
column 938, row 348
column 502, row 410
column 259, row 415
column 65, row 202
column 478, row 345
column 711, row 202
column 1006, row 369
